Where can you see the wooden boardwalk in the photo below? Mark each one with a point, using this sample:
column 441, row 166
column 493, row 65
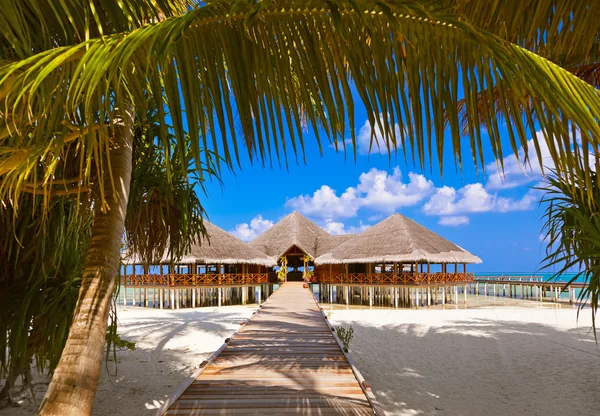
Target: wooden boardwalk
column 285, row 360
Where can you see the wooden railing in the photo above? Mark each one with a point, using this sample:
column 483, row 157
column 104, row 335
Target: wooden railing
column 194, row 279
column 509, row 278
column 393, row 279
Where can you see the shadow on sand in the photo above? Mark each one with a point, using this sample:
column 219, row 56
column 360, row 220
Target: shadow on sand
column 479, row 367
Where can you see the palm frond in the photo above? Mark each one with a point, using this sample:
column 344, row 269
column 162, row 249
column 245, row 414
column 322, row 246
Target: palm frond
column 34, row 26
column 498, row 100
column 41, row 259
column 164, row 214
column 405, row 60
column 563, row 31
column 572, row 232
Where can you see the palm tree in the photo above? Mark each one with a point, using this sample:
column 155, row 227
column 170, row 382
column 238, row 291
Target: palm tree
column 42, row 253
column 572, row 233
column 242, row 75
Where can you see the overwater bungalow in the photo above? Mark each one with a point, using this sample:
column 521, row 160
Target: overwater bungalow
column 221, row 260
column 397, row 250
column 294, row 243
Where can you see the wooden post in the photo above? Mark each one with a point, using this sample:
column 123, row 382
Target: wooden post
column 571, row 295
column 160, row 297
column 172, row 298
column 133, row 274
column 416, row 273
column 220, row 289
column 125, row 286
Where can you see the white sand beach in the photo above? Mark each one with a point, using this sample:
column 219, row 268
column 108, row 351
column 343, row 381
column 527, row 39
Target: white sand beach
column 498, row 360
column 511, row 358
column 169, row 347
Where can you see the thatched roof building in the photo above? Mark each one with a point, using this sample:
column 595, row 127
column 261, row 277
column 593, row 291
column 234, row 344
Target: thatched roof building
column 219, row 248
column 293, row 230
column 397, row 239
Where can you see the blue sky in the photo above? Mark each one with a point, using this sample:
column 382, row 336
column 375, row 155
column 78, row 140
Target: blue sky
column 497, row 218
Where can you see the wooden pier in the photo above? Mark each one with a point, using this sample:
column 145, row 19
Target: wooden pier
column 532, row 288
column 285, row 360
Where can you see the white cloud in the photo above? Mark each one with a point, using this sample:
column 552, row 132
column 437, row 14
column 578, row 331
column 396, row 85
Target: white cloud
column 518, row 172
column 376, row 190
column 326, row 203
column 247, row 232
column 338, row 228
column 387, row 193
column 475, row 198
column 453, row 221
column 527, row 202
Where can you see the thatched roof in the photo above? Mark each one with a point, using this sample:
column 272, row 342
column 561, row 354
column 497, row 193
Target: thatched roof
column 294, row 229
column 397, row 239
column 220, row 248
column 325, row 244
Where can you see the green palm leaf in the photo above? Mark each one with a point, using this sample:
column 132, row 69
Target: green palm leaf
column 572, row 234
column 209, row 65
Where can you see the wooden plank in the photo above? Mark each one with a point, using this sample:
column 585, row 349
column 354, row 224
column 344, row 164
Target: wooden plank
column 264, row 411
column 285, row 360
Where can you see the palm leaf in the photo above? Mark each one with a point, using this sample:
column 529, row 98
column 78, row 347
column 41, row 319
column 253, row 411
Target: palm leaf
column 572, row 231
column 209, row 66
column 563, row 31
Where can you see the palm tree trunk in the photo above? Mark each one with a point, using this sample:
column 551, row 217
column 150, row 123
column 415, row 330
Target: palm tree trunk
column 74, row 383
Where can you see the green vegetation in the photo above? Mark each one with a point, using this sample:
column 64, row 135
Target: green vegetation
column 572, row 232
column 79, row 82
column 345, row 335
column 283, row 269
column 118, row 342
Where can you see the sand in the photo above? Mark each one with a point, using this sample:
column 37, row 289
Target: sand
column 498, row 358
column 170, row 346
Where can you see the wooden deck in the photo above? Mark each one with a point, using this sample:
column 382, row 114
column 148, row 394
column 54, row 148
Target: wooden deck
column 285, row 360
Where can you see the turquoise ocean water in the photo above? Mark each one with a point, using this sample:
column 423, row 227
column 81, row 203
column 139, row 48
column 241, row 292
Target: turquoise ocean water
column 565, row 277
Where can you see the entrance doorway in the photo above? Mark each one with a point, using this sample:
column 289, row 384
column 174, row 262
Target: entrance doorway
column 296, row 260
